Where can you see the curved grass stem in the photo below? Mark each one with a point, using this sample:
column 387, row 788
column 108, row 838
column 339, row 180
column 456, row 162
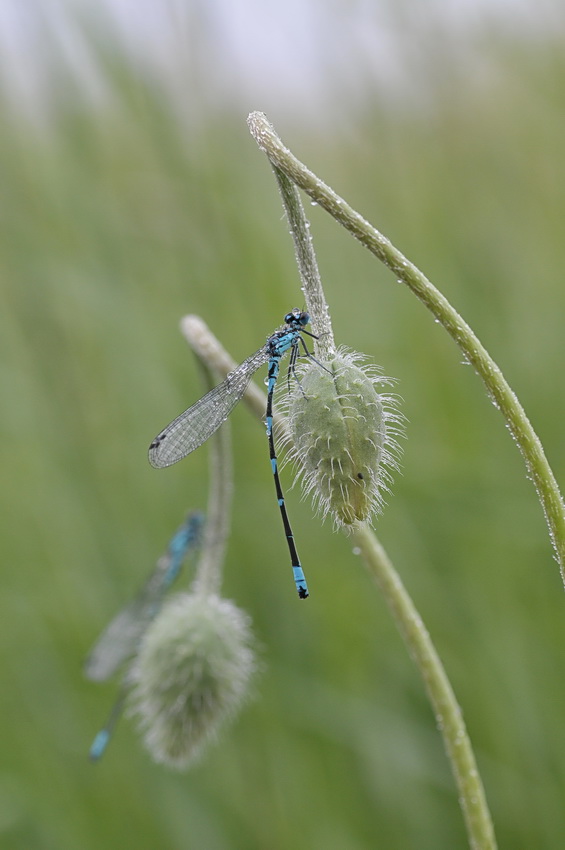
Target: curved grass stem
column 208, row 578
column 499, row 391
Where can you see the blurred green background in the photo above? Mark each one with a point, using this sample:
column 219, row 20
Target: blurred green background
column 125, row 204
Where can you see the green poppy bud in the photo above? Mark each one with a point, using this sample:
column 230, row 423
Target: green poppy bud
column 191, row 675
column 343, row 434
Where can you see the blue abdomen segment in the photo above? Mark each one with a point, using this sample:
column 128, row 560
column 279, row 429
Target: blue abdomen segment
column 300, row 582
column 99, row 745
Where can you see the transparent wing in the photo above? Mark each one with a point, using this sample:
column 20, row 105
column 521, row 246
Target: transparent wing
column 198, row 423
column 120, row 639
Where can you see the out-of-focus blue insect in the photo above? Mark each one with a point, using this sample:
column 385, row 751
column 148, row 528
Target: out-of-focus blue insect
column 193, row 427
column 120, row 640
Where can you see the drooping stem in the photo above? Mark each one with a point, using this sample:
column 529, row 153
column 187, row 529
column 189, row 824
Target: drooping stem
column 208, row 577
column 496, row 386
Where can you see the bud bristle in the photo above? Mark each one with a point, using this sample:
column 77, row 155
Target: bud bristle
column 343, row 436
column 191, row 675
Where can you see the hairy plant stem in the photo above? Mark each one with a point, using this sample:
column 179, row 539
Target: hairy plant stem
column 312, row 288
column 450, row 721
column 497, row 388
column 208, row 578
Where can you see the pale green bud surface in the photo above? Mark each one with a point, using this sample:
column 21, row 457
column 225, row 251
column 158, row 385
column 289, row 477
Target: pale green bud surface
column 342, row 430
column 191, row 675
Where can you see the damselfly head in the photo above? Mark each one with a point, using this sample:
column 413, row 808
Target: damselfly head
column 297, row 318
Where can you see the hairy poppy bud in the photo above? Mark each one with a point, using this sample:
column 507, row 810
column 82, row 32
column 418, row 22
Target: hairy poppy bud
column 191, row 675
column 342, row 431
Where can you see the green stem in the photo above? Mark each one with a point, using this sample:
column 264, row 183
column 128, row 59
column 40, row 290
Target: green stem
column 208, row 577
column 447, row 711
column 497, row 387
column 312, row 288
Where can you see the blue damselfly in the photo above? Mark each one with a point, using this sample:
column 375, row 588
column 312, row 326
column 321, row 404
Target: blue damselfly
column 193, row 427
column 120, row 640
